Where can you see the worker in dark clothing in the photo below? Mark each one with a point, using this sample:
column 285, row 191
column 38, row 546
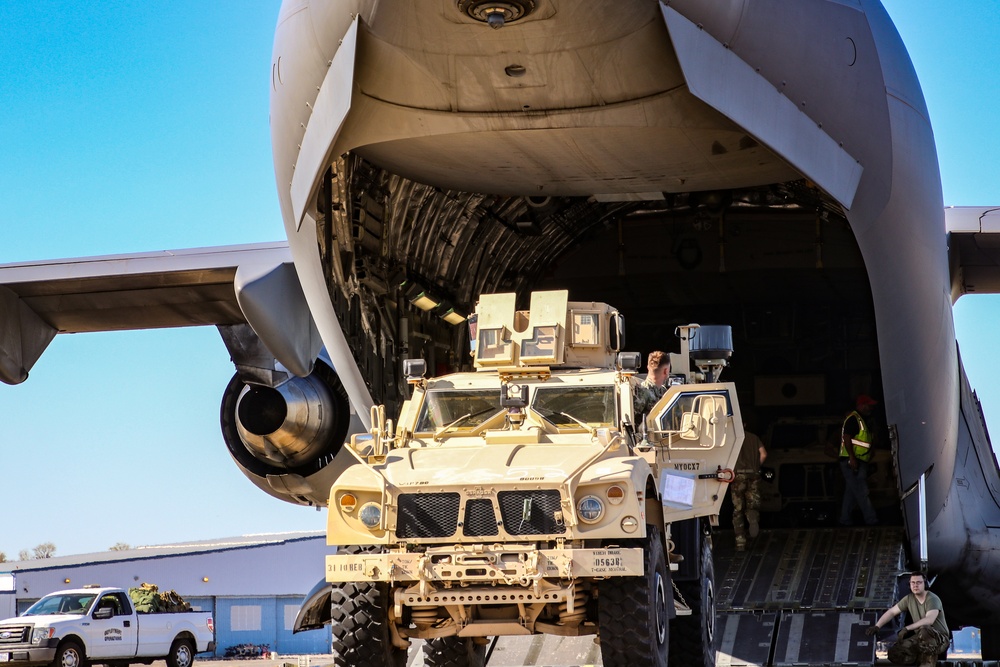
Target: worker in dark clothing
column 855, row 454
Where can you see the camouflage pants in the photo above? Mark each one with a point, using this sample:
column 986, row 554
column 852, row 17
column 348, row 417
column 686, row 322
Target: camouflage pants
column 919, row 648
column 746, row 504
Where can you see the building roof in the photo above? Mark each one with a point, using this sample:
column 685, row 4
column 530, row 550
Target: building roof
column 163, row 550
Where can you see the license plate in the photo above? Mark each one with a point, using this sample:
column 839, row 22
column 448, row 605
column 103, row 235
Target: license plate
column 4, row 657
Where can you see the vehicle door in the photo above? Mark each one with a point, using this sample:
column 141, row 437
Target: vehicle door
column 112, row 631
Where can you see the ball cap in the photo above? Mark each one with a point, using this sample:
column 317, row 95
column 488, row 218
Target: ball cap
column 865, row 399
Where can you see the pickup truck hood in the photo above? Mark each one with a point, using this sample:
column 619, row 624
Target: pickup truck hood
column 478, row 464
column 46, row 619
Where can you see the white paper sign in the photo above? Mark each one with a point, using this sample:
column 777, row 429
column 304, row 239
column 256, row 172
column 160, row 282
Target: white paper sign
column 677, row 489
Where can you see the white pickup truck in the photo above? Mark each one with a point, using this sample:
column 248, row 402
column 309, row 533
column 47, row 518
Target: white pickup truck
column 74, row 628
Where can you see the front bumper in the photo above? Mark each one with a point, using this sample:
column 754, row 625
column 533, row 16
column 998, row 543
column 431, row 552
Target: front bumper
column 498, row 564
column 23, row 656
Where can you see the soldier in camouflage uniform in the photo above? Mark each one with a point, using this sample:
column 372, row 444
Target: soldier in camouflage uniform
column 927, row 635
column 745, row 489
column 652, row 389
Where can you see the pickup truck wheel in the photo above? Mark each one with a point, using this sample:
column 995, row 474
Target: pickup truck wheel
column 181, row 653
column 453, row 652
column 70, row 654
column 692, row 643
column 633, row 613
column 359, row 615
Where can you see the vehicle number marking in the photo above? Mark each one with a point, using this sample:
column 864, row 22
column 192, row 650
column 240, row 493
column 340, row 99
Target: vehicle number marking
column 347, row 567
column 612, row 561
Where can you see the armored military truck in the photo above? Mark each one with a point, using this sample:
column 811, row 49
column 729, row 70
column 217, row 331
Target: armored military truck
column 528, row 497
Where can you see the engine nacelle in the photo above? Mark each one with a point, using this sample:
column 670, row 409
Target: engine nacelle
column 286, row 439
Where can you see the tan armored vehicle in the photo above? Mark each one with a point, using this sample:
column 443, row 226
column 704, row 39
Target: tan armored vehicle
column 525, row 498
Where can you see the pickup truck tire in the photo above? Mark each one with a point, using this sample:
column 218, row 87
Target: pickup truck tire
column 181, row 653
column 633, row 613
column 454, row 652
column 69, row 654
column 692, row 642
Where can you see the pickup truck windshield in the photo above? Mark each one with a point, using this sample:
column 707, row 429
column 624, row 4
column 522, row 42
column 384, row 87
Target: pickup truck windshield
column 566, row 407
column 63, row 603
column 442, row 408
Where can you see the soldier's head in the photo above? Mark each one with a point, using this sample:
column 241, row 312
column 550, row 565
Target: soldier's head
column 658, row 365
column 918, row 582
column 865, row 404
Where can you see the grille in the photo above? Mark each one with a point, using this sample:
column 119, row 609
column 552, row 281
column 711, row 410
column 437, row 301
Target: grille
column 480, row 518
column 541, row 520
column 427, row 515
column 15, row 634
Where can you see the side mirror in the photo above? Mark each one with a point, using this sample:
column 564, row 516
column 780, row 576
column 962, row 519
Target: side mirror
column 616, row 333
column 103, row 613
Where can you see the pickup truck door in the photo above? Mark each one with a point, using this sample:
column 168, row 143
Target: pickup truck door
column 113, row 636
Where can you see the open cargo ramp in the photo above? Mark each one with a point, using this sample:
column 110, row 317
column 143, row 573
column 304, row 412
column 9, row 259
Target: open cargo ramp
column 804, row 596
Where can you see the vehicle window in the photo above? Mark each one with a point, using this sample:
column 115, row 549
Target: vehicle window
column 568, row 406
column 68, row 603
column 111, row 601
column 672, row 419
column 125, row 603
column 681, row 414
column 442, row 407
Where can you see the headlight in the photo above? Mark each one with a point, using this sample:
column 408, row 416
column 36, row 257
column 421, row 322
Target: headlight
column 590, row 509
column 370, row 515
column 40, row 634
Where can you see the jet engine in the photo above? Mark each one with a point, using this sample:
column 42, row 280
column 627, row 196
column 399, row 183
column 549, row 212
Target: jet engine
column 286, row 438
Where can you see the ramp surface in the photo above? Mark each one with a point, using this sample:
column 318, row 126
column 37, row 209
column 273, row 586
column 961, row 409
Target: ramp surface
column 804, row 597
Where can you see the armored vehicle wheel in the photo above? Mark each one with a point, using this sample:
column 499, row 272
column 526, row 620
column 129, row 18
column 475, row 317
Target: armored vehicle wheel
column 634, row 612
column 70, row 654
column 181, row 653
column 692, row 642
column 454, row 652
column 359, row 615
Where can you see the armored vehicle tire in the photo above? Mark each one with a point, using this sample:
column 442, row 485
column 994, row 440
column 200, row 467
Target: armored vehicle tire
column 454, row 652
column 634, row 612
column 70, row 654
column 360, row 623
column 692, row 642
column 181, row 653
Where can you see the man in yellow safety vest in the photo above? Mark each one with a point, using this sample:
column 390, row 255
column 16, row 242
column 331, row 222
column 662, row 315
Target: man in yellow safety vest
column 855, row 453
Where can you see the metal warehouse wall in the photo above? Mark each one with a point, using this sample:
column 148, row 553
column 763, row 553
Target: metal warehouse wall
column 265, row 620
column 285, row 568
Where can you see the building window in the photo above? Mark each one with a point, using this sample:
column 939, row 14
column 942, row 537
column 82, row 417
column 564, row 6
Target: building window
column 244, row 617
column 291, row 611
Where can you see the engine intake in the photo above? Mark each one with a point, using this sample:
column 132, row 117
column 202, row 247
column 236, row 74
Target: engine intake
column 285, row 438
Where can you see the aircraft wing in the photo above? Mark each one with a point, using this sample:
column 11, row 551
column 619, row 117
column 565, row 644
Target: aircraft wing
column 137, row 291
column 974, row 249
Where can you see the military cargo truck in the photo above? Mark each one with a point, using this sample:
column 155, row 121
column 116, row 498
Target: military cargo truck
column 527, row 497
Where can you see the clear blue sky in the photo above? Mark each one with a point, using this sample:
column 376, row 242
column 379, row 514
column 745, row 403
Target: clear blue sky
column 130, row 125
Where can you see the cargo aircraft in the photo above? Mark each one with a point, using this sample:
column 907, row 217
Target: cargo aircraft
column 767, row 164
